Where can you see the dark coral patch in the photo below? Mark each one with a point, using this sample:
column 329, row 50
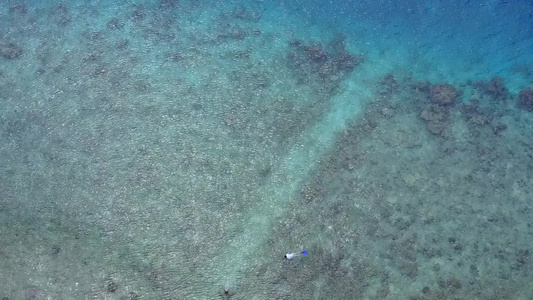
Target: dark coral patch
column 61, row 15
column 389, row 84
column 115, row 23
column 475, row 114
column 436, row 118
column 526, row 98
column 443, row 94
column 315, row 53
column 138, row 14
column 10, row 51
column 325, row 66
column 495, row 88
column 19, row 8
column 168, row 3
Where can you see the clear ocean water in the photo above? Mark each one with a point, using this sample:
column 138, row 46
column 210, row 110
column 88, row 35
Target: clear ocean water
column 178, row 149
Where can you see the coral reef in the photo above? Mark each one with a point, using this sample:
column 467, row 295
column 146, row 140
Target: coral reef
column 61, row 15
column 442, row 97
column 115, row 23
column 526, row 99
column 436, row 118
column 314, row 63
column 421, row 86
column 19, row 8
column 443, row 94
column 10, row 51
column 495, row 88
column 168, row 4
column 475, row 114
column 389, row 84
column 138, row 14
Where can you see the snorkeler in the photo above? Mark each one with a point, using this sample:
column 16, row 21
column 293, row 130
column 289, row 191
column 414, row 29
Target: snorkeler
column 293, row 255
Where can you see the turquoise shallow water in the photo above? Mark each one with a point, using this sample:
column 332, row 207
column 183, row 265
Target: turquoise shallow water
column 177, row 149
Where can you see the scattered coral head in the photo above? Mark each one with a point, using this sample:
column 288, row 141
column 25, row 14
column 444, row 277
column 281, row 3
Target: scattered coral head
column 443, row 94
column 315, row 59
column 20, row 8
column 526, row 98
column 316, row 53
column 496, row 88
column 436, row 118
column 168, row 3
column 10, row 51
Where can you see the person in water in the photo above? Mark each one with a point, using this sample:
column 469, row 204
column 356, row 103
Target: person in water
column 293, row 255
